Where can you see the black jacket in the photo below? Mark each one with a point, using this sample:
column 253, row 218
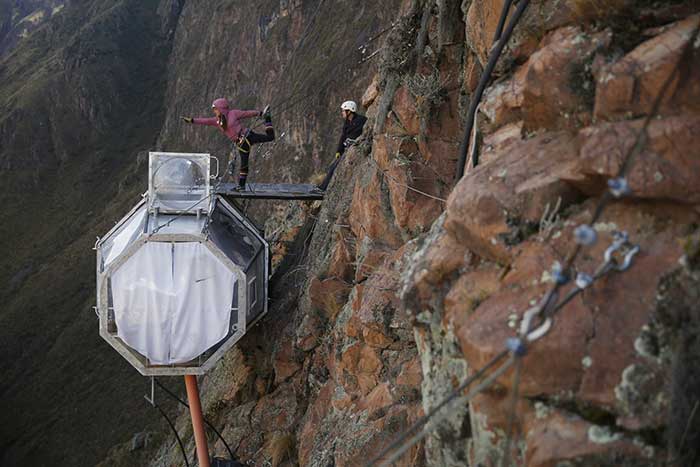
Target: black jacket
column 352, row 129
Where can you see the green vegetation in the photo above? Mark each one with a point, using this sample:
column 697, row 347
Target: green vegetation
column 78, row 99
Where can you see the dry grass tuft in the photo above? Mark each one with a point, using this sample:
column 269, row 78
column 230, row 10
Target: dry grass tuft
column 317, row 178
column 279, row 447
column 590, row 9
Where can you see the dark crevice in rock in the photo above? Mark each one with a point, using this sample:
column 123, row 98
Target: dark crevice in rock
column 422, row 38
column 601, row 417
column 582, row 81
column 284, row 275
column 629, row 24
column 678, row 311
column 519, row 231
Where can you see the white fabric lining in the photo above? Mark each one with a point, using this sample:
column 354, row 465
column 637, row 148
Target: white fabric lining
column 172, row 301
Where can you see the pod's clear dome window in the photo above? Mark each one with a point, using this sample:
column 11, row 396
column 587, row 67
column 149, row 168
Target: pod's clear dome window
column 179, row 183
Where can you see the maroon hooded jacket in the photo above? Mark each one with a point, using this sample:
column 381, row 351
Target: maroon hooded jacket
column 234, row 127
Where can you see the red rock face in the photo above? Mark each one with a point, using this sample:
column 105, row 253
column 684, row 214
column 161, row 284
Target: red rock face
column 550, row 90
column 504, row 198
column 370, row 215
column 593, row 384
column 602, row 324
column 662, row 171
column 554, row 437
column 539, row 18
column 629, row 86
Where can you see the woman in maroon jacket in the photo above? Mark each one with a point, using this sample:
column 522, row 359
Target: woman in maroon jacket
column 229, row 121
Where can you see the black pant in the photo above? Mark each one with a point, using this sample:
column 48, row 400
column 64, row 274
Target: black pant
column 244, row 149
column 329, row 174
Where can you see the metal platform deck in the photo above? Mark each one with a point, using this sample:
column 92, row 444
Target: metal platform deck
column 287, row 191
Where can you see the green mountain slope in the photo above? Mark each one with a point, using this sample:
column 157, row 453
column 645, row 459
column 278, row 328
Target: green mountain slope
column 19, row 18
column 78, row 99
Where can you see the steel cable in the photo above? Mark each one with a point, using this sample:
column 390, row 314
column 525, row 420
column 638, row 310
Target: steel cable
column 172, row 427
column 483, row 82
column 437, row 418
column 426, row 418
column 213, row 428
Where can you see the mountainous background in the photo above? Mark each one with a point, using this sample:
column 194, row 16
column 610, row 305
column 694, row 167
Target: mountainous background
column 403, row 281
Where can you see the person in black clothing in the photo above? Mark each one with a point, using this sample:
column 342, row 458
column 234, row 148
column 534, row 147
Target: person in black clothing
column 352, row 129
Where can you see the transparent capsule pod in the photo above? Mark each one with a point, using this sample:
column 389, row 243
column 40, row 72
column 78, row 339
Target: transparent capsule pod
column 178, row 285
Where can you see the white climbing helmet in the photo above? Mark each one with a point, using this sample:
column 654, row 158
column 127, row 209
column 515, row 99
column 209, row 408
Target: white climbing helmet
column 349, row 105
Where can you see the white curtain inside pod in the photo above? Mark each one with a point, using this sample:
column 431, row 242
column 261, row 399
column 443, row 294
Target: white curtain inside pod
column 172, row 301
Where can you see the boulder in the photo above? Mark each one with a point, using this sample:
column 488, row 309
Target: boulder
column 554, row 437
column 554, row 88
column 663, row 170
column 500, row 203
column 586, row 355
column 630, row 85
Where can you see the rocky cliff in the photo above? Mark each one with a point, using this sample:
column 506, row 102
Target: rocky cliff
column 403, row 282
column 409, row 283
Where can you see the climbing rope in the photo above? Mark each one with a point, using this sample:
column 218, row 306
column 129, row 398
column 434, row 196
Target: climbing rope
column 516, row 347
column 512, row 409
column 213, row 428
column 485, row 78
column 474, row 137
column 174, row 430
column 502, row 21
column 405, row 185
column 583, row 281
column 585, row 235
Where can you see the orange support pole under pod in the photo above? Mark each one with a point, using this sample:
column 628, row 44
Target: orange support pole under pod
column 200, row 437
